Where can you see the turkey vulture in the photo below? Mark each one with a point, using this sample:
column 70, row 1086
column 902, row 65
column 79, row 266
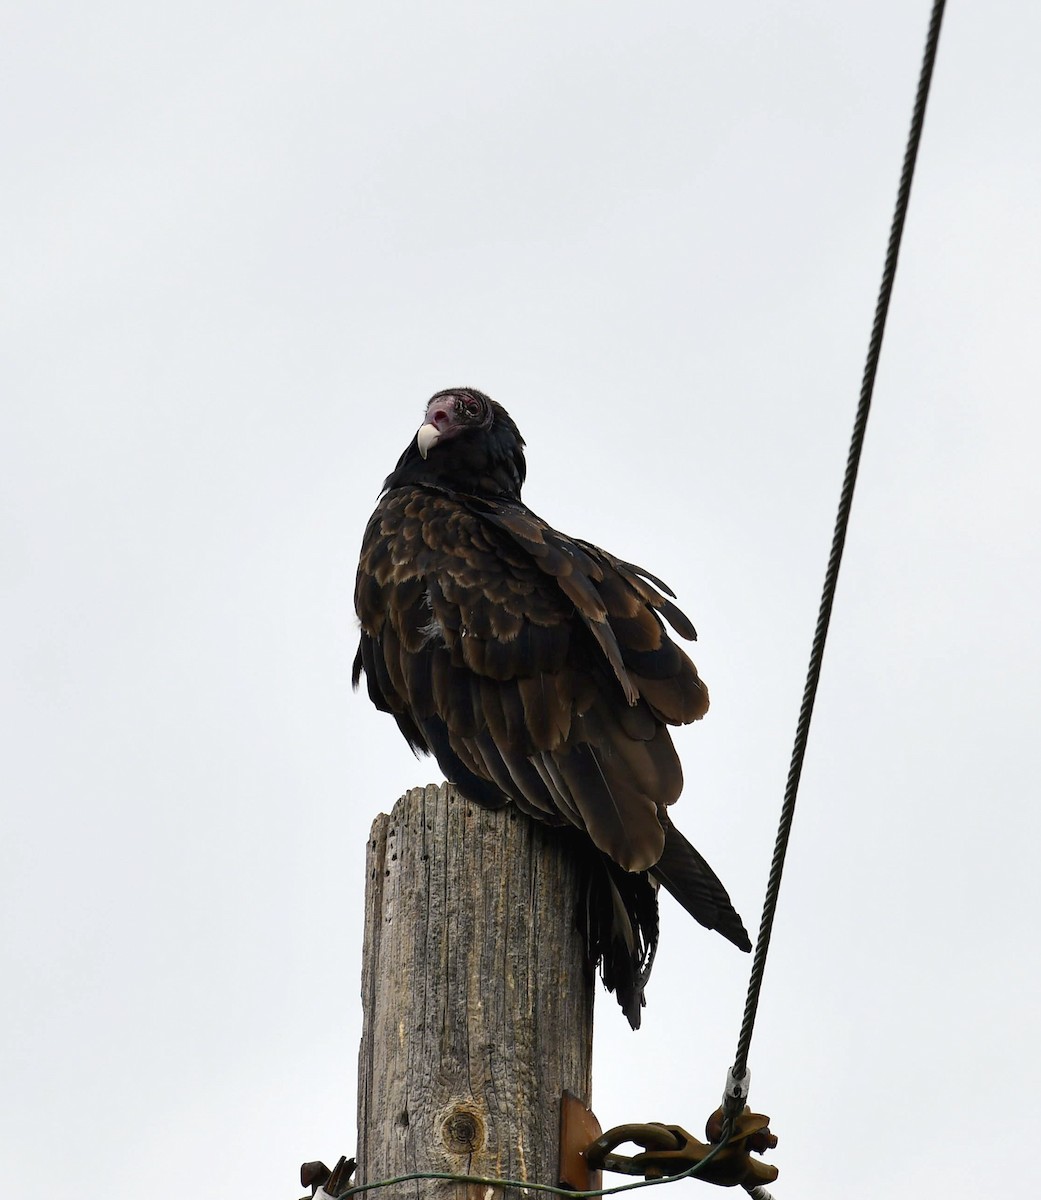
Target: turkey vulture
column 536, row 669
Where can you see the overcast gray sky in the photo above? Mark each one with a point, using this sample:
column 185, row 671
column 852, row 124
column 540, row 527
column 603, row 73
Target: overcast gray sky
column 243, row 243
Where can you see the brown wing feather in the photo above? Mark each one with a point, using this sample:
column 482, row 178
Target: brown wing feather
column 540, row 662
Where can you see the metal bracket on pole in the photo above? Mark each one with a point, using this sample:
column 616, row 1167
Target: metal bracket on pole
column 579, row 1128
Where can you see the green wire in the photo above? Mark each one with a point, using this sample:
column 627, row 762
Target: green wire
column 540, row 1187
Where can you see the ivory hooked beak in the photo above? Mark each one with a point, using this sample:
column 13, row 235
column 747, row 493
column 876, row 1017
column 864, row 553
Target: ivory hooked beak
column 426, row 437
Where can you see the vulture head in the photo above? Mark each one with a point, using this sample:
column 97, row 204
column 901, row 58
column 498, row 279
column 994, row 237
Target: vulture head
column 467, row 443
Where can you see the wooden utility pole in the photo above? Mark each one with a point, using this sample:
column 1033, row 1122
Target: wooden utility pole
column 478, row 1007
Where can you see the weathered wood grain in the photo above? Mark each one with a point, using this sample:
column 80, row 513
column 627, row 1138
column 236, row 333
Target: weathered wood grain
column 477, row 1000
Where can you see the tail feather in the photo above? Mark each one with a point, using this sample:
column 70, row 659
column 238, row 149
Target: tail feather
column 621, row 927
column 684, row 873
column 620, row 914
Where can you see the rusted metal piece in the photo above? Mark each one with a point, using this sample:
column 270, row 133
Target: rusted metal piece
column 578, row 1128
column 313, row 1175
column 671, row 1150
column 654, row 1137
column 318, row 1177
column 754, row 1128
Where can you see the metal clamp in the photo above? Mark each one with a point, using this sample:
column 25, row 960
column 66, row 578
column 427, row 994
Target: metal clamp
column 671, row 1150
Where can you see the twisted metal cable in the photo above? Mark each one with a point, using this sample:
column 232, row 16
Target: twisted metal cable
column 740, row 1067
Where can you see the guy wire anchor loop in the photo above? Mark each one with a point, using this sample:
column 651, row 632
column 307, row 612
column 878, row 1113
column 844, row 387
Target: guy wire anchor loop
column 671, row 1150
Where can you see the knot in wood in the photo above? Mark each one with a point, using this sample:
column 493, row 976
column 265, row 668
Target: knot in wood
column 462, row 1129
